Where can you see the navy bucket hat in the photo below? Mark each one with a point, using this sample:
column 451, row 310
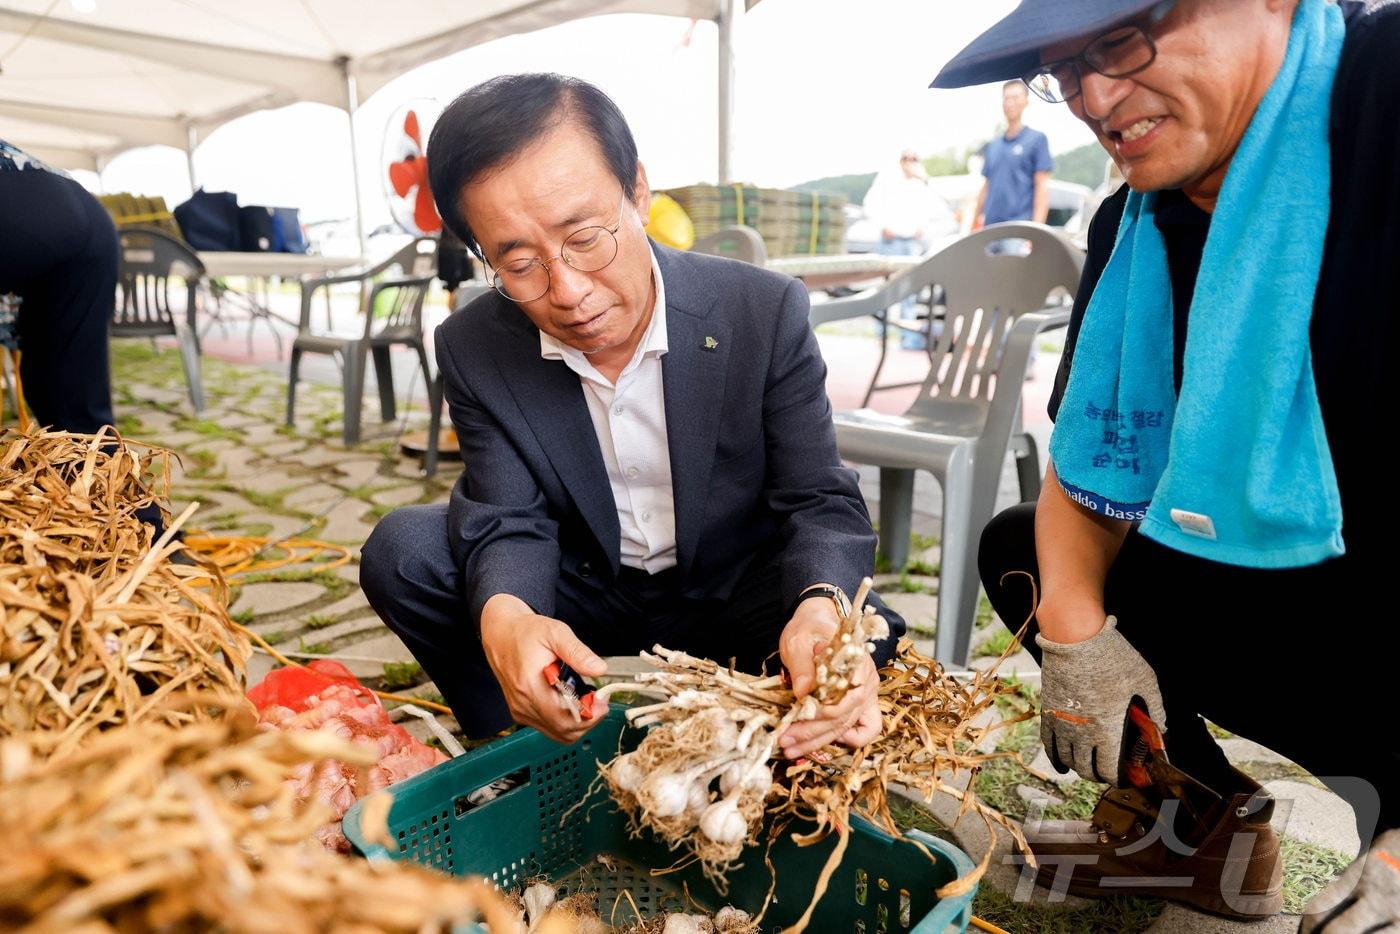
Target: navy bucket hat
column 1012, row 47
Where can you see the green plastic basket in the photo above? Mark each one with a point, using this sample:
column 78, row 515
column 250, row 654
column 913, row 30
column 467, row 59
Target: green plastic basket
column 499, row 813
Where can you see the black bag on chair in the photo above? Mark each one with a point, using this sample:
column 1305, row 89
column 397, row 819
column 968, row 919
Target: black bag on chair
column 209, row 220
column 257, row 231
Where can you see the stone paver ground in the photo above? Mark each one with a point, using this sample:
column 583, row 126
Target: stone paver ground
column 257, row 477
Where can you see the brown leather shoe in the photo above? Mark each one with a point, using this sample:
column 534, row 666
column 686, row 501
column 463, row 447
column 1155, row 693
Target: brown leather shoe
column 1137, row 843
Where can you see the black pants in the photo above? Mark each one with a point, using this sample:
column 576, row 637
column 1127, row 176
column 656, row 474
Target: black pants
column 413, row 583
column 1283, row 657
column 58, row 252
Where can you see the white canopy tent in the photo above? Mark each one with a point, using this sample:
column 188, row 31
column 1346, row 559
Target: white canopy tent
column 78, row 88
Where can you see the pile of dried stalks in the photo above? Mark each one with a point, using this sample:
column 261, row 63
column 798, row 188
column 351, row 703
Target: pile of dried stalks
column 97, row 626
column 149, row 827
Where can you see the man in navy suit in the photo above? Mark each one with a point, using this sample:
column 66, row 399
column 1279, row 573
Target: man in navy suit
column 648, row 442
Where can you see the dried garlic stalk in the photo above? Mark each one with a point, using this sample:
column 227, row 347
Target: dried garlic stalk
column 149, row 827
column 97, row 627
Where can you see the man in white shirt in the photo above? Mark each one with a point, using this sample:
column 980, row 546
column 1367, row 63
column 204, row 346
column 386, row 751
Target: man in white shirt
column 648, row 443
column 910, row 215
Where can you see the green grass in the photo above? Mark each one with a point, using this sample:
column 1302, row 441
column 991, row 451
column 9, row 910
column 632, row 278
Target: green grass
column 200, row 464
column 130, row 426
column 923, row 568
column 918, row 542
column 1119, row 914
column 433, row 697
column 1112, row 914
column 1307, row 868
column 985, row 613
column 1269, row 771
column 1219, row 732
column 336, row 586
column 399, row 675
column 996, row 643
column 320, row 621
column 314, row 648
column 907, row 584
column 273, row 638
column 242, row 616
column 208, row 428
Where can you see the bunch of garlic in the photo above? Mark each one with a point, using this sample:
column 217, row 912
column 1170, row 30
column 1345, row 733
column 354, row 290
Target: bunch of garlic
column 702, row 774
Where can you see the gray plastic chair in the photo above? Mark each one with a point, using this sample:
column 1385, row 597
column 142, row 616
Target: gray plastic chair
column 149, row 260
column 400, row 322
column 961, row 426
column 737, row 242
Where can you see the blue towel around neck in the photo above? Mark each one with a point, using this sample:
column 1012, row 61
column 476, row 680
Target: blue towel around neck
column 1237, row 469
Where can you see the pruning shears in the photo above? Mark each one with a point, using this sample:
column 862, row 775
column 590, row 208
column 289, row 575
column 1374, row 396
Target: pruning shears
column 575, row 694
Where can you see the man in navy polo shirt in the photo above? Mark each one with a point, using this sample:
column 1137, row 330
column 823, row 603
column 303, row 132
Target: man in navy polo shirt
column 1017, row 167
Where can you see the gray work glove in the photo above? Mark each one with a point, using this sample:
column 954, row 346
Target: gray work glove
column 1086, row 688
column 1366, row 897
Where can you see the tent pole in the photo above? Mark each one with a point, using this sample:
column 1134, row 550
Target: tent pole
column 729, row 12
column 352, row 103
column 191, row 140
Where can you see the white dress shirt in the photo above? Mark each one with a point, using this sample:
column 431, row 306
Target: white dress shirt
column 630, row 421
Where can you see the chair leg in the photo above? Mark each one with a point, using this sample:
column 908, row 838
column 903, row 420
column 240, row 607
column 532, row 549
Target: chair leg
column 384, row 378
column 957, row 579
column 423, row 363
column 353, row 384
column 430, row 456
column 896, row 515
column 882, row 320
column 1028, row 468
column 292, row 385
column 189, row 357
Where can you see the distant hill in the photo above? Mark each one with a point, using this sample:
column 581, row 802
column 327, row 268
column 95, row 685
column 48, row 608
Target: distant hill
column 853, row 187
column 1084, row 165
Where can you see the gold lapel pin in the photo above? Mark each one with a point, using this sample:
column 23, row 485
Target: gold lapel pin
column 711, row 343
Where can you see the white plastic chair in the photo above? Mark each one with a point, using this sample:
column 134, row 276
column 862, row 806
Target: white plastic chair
column 967, row 413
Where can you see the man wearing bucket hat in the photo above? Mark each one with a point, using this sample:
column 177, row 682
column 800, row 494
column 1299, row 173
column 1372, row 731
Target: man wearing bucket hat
column 1207, row 524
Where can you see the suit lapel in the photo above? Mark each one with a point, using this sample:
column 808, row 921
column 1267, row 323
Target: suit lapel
column 550, row 396
column 693, row 384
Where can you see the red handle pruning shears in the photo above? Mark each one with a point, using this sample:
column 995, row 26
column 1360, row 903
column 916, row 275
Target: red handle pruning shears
column 574, row 693
column 1147, row 765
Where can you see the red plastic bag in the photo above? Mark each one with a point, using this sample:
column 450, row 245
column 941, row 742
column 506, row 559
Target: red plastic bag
column 294, row 687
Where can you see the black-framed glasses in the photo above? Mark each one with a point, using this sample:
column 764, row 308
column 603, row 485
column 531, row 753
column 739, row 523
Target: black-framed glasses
column 1117, row 53
column 587, row 249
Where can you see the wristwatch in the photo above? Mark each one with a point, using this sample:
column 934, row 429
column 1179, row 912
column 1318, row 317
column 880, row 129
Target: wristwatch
column 843, row 605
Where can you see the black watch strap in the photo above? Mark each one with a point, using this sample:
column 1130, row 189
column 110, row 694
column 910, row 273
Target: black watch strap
column 822, row 590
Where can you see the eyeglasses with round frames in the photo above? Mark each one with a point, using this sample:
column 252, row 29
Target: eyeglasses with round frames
column 587, row 249
column 1117, row 53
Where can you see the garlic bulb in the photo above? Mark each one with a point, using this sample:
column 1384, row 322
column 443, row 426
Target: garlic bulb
column 731, row 777
column 538, row 899
column 759, row 779
column 723, row 823
column 669, row 793
column 730, row 918
column 726, row 731
column 698, row 798
column 626, row 773
column 685, row 924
